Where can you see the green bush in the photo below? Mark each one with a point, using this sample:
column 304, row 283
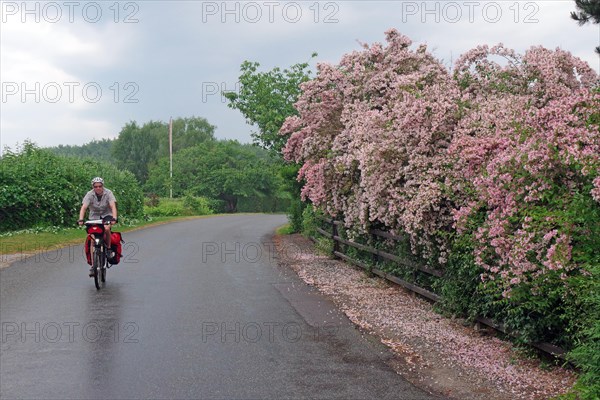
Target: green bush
column 461, row 280
column 309, row 222
column 587, row 357
column 152, row 200
column 559, row 307
column 295, row 215
column 42, row 189
column 266, row 204
column 324, row 246
column 218, row 206
column 186, row 206
column 167, row 209
column 198, row 205
column 586, row 354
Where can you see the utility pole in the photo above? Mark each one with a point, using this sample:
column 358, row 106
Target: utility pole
column 171, row 156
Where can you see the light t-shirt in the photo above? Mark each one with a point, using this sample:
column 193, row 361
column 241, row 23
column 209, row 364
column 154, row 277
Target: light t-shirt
column 99, row 208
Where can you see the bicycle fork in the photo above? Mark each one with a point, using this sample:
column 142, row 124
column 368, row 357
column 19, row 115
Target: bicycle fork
column 97, row 251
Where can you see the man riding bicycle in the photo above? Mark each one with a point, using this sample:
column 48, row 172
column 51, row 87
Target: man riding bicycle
column 103, row 205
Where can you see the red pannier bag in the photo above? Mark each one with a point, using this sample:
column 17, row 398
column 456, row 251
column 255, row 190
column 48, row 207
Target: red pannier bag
column 116, row 239
column 86, row 246
column 88, row 241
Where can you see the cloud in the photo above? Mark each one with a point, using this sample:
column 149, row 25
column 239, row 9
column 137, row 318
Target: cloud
column 50, row 84
column 165, row 55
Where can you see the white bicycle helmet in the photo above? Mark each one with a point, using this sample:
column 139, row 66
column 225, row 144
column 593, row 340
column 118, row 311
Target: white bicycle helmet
column 97, row 180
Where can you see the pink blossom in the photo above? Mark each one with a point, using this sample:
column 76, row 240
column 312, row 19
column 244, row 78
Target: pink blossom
column 596, row 189
column 391, row 137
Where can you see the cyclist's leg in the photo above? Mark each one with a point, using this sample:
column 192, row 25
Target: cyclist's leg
column 107, row 236
column 107, row 233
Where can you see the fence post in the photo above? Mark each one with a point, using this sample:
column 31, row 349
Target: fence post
column 375, row 257
column 334, row 231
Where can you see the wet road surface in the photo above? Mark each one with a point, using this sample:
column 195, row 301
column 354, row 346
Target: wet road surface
column 196, row 309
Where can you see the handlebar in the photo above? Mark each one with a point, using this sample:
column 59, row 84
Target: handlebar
column 94, row 222
column 103, row 221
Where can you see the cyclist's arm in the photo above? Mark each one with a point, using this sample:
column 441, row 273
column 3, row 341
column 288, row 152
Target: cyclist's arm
column 113, row 208
column 82, row 212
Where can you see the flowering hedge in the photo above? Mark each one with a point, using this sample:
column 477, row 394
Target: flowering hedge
column 500, row 156
column 373, row 135
column 527, row 146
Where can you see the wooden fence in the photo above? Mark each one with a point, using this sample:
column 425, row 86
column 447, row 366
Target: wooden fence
column 378, row 255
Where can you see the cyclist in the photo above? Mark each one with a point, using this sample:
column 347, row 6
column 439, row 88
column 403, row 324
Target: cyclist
column 103, row 205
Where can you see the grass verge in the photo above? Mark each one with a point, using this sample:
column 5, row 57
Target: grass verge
column 33, row 241
column 284, row 230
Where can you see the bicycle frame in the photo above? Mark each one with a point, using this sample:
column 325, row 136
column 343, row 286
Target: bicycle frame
column 95, row 230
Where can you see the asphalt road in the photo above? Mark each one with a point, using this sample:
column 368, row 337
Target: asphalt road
column 196, row 309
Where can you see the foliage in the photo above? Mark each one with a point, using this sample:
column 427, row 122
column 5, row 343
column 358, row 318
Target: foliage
column 310, row 222
column 219, row 206
column 199, row 205
column 42, row 189
column 587, row 354
column 461, row 281
column 587, row 10
column 138, row 148
column 528, row 149
column 493, row 172
column 99, row 150
column 266, row 99
column 284, row 230
column 187, row 132
column 587, row 357
column 152, row 200
column 295, row 215
column 372, row 135
column 293, row 187
column 324, row 246
column 224, row 170
column 187, row 206
column 269, row 204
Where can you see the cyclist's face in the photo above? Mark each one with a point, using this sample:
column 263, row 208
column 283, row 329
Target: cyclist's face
column 98, row 188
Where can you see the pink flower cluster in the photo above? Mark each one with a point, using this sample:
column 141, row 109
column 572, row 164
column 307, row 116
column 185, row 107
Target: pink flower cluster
column 524, row 147
column 391, row 137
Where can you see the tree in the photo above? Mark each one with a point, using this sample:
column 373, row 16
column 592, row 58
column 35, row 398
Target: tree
column 587, row 10
column 137, row 148
column 224, row 170
column 96, row 149
column 266, row 99
column 187, row 132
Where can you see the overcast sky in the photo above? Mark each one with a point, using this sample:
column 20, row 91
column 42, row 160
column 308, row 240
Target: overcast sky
column 74, row 71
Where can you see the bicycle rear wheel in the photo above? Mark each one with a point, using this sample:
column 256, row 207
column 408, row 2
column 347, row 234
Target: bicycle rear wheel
column 103, row 268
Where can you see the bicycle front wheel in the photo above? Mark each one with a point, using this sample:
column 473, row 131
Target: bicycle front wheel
column 97, row 267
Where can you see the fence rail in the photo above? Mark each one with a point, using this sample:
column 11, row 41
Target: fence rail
column 547, row 348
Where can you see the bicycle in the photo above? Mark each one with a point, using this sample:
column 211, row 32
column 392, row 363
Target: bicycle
column 98, row 252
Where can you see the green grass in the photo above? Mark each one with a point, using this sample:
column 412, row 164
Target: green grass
column 33, row 241
column 284, row 230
